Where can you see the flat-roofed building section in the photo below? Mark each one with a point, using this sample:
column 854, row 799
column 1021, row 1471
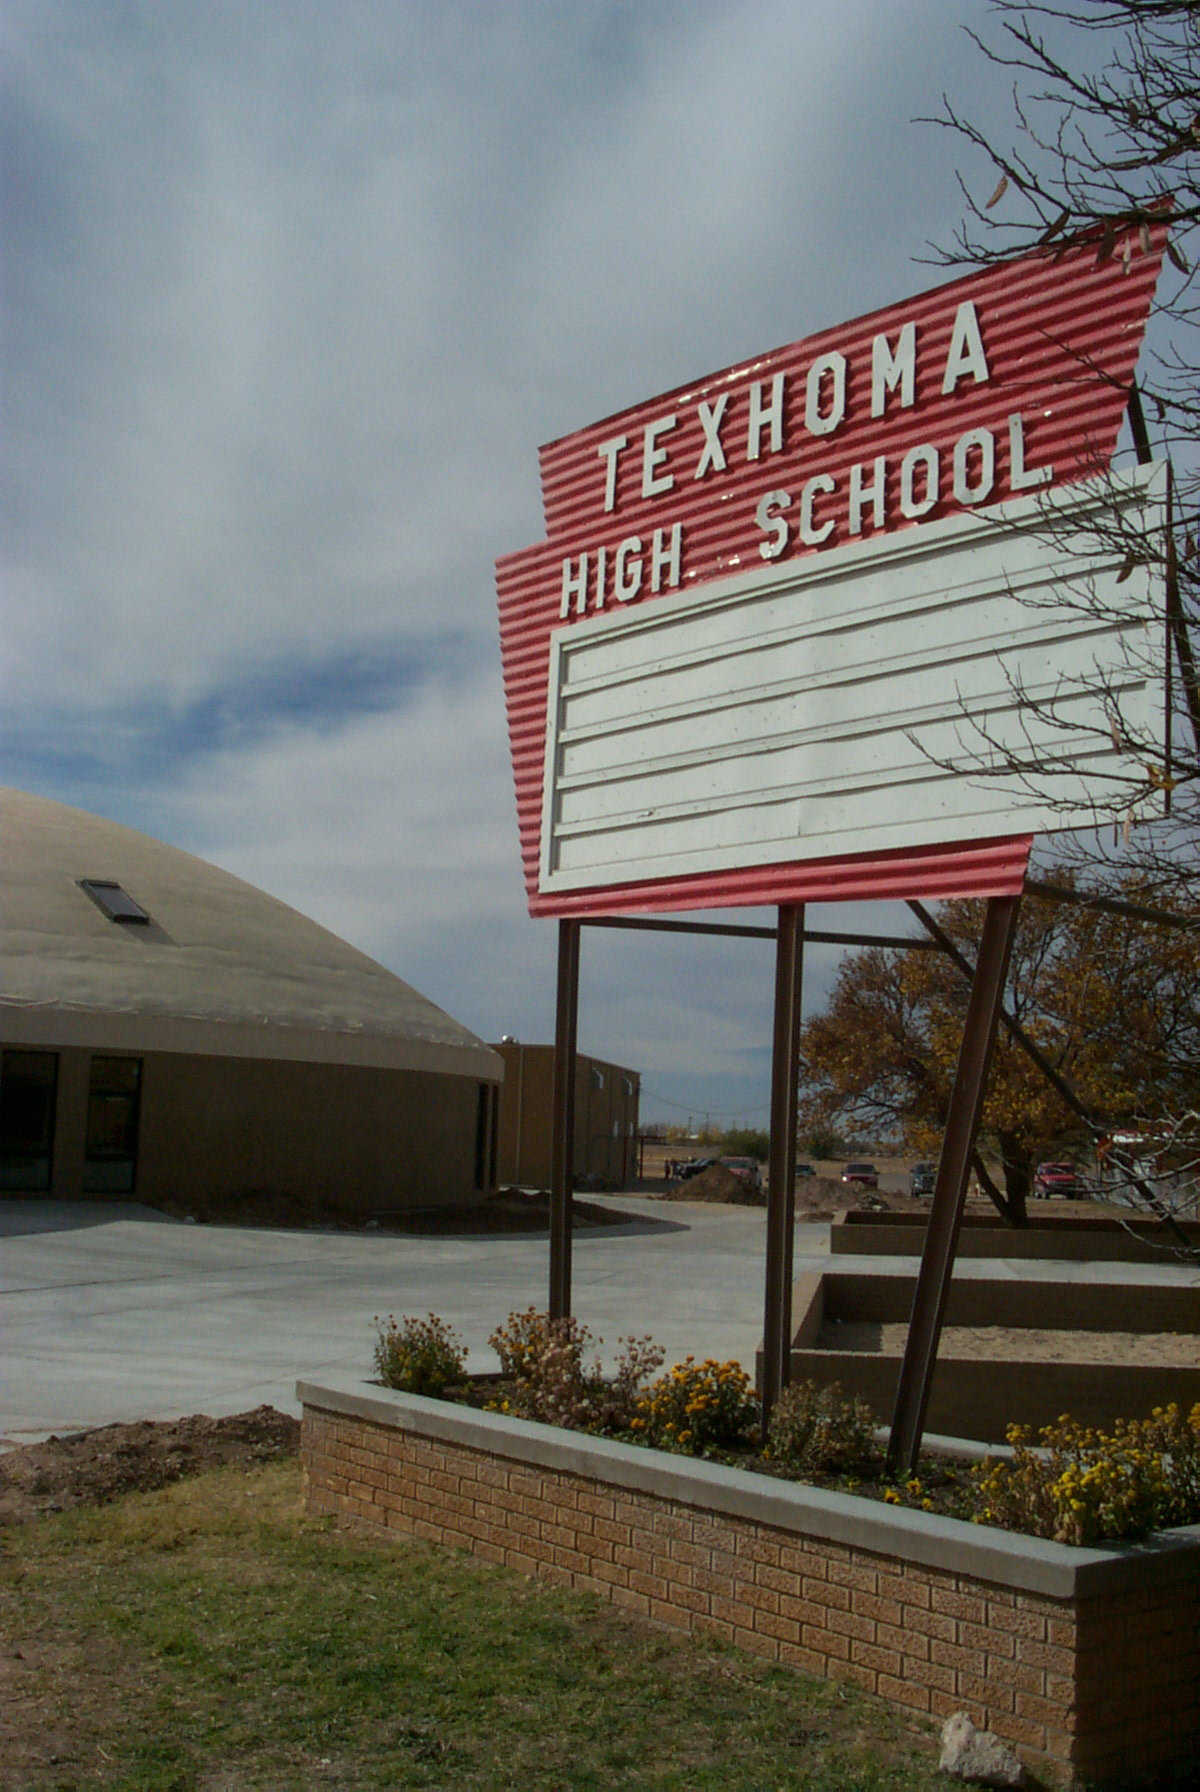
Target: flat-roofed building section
column 223, row 1045
column 606, row 1119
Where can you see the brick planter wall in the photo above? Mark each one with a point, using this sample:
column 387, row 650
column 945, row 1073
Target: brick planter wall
column 1084, row 1659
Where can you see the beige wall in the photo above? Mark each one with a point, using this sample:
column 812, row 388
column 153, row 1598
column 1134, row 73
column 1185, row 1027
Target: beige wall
column 348, row 1138
column 606, row 1097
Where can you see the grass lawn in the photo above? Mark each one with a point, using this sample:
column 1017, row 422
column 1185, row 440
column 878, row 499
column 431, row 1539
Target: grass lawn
column 210, row 1636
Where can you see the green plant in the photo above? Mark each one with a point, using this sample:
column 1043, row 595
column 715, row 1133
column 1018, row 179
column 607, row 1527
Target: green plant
column 1176, row 1435
column 821, row 1430
column 419, row 1356
column 747, row 1142
column 637, row 1360
column 549, row 1378
column 543, row 1359
column 1081, row 1485
column 696, row 1407
column 824, row 1142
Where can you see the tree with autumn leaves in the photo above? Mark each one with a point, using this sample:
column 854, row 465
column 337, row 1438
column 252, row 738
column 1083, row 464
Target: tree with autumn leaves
column 1105, row 144
column 1112, row 1003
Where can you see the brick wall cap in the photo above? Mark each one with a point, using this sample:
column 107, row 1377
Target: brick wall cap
column 1030, row 1564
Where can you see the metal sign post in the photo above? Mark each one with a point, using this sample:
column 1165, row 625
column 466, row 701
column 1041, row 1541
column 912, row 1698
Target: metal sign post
column 781, row 1166
column 562, row 1165
column 941, row 1237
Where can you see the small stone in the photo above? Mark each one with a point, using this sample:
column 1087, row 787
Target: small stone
column 978, row 1755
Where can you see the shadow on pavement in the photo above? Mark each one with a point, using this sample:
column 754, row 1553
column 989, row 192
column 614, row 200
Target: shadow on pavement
column 24, row 1214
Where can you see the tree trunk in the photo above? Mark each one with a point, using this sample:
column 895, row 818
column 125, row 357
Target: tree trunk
column 1010, row 1204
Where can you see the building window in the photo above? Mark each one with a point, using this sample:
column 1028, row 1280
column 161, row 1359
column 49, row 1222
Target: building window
column 110, row 1154
column 28, row 1085
column 114, row 902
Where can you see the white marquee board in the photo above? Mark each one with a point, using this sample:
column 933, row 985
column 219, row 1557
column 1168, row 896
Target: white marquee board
column 810, row 710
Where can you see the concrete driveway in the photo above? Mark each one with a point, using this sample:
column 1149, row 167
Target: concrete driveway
column 113, row 1312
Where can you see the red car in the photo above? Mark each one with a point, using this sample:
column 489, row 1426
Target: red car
column 1057, row 1179
column 865, row 1175
column 746, row 1169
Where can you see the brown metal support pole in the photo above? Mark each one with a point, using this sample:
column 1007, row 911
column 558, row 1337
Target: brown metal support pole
column 562, row 1164
column 781, row 1166
column 789, row 1237
column 941, row 1237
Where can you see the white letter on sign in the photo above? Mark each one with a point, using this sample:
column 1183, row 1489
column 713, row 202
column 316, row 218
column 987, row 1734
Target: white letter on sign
column 608, row 451
column 861, row 495
column 763, row 414
column 654, row 456
column 627, row 580
column 985, row 441
column 574, row 585
column 1022, row 480
column 816, row 421
column 890, row 370
column 923, row 455
column 769, row 521
column 712, row 455
column 965, row 355
column 665, row 559
column 601, row 570
column 810, row 536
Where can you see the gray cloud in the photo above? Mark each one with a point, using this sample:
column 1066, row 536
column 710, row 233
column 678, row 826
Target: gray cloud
column 292, row 295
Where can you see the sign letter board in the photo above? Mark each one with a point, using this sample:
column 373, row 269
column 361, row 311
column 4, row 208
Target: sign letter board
column 773, row 607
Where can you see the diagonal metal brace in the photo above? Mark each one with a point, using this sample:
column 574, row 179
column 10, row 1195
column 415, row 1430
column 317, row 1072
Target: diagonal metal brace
column 941, row 1237
column 781, row 1169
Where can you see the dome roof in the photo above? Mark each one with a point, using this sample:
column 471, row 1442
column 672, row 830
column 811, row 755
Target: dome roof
column 215, row 966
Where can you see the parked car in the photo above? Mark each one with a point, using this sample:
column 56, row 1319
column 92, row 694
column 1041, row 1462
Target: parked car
column 804, row 1171
column 865, row 1175
column 692, row 1166
column 746, row 1169
column 1060, row 1179
column 921, row 1179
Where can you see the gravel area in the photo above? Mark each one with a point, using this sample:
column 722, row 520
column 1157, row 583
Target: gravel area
column 1025, row 1343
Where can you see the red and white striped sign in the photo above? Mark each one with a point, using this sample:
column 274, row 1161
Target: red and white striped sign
column 740, row 500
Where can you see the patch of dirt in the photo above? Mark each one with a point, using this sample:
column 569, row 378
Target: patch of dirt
column 825, row 1197
column 817, row 1197
column 509, row 1210
column 89, row 1468
column 716, row 1184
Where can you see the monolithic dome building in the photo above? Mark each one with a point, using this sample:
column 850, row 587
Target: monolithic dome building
column 173, row 1033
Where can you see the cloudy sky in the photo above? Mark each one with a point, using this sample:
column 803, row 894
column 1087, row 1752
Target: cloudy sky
column 292, row 294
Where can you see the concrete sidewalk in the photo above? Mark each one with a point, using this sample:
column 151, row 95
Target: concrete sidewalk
column 113, row 1312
